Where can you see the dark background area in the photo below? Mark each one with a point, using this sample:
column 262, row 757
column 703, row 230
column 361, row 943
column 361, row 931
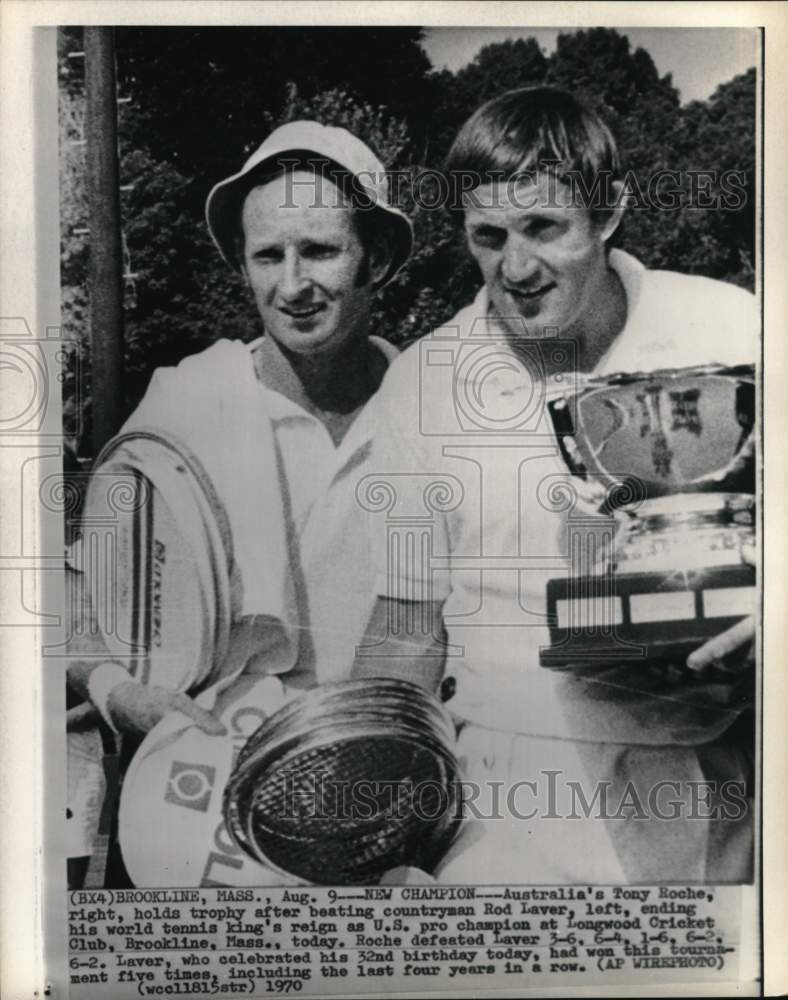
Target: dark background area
column 195, row 102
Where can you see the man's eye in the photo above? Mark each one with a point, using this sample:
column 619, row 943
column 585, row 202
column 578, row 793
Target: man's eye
column 319, row 251
column 543, row 228
column 266, row 255
column 489, row 237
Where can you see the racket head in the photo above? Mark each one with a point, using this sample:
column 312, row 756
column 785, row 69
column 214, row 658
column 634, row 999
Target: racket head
column 161, row 599
column 346, row 783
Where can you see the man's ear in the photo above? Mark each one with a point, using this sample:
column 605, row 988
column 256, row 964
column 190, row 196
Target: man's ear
column 239, row 253
column 616, row 214
column 381, row 254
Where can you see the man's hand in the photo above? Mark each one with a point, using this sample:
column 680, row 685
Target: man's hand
column 137, row 708
column 413, row 654
column 738, row 639
column 407, row 875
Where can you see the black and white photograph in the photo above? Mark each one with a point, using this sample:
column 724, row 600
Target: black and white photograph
column 396, row 428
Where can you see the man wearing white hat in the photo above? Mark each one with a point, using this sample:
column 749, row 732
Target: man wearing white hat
column 244, row 553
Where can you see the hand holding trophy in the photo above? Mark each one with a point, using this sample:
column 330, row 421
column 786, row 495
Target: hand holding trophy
column 737, row 642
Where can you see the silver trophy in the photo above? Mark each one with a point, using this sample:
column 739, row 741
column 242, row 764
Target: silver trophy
column 665, row 464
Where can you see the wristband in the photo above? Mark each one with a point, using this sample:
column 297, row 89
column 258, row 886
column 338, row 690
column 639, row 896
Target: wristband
column 101, row 683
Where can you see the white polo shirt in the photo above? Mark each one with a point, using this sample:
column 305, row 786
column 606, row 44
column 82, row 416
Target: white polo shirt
column 328, row 560
column 458, row 408
column 329, row 533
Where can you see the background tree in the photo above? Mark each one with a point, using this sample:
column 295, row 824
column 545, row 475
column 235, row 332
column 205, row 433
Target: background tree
column 715, row 138
column 495, row 68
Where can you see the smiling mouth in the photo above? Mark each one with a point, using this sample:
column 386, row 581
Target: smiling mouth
column 306, row 312
column 530, row 296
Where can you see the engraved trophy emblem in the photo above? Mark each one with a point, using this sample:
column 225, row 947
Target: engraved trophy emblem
column 669, row 456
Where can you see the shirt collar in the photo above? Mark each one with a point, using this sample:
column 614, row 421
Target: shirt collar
column 503, row 373
column 281, row 408
column 631, row 273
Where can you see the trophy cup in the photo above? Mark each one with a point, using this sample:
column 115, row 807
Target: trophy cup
column 667, row 461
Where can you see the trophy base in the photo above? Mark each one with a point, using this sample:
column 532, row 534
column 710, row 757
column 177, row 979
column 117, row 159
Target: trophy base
column 651, row 617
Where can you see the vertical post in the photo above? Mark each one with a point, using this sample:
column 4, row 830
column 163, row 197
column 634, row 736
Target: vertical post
column 104, row 274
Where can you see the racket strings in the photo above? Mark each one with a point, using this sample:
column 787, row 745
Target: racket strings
column 351, row 780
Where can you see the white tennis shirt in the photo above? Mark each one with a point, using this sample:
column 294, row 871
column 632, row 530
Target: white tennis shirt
column 329, row 532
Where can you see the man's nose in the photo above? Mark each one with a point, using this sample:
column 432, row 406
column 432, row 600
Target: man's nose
column 294, row 279
column 519, row 263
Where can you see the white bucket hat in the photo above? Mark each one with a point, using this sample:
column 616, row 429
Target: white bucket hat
column 326, row 143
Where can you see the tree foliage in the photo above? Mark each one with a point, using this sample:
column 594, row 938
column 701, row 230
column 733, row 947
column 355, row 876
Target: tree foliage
column 502, row 66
